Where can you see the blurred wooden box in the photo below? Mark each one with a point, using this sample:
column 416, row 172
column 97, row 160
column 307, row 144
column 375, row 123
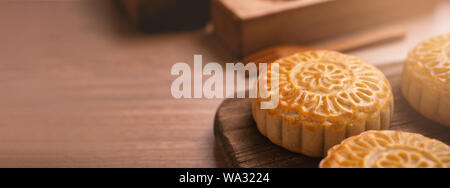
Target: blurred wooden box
column 250, row 25
column 168, row 15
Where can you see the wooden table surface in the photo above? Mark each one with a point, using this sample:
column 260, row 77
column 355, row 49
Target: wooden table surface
column 81, row 88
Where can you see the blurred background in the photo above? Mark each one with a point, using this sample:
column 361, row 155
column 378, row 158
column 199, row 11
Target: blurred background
column 86, row 83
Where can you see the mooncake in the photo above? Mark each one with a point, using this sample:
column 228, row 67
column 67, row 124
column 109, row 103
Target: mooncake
column 388, row 149
column 426, row 79
column 324, row 97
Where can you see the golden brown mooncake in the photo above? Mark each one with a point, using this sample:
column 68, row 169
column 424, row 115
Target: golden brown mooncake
column 324, row 97
column 388, row 149
column 426, row 79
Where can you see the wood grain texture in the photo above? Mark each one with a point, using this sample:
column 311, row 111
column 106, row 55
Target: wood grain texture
column 245, row 147
column 80, row 87
column 253, row 25
column 354, row 41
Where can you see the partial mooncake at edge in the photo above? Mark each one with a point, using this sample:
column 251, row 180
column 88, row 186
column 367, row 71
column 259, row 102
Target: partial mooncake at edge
column 324, row 97
column 388, row 149
column 426, row 79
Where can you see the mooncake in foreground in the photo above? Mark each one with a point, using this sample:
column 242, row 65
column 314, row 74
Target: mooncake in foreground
column 388, row 149
column 426, row 79
column 324, row 97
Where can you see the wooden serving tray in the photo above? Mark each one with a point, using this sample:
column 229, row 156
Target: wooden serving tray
column 244, row 147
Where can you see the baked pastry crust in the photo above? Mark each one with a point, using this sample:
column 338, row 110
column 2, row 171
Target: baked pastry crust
column 324, row 97
column 388, row 149
column 426, row 79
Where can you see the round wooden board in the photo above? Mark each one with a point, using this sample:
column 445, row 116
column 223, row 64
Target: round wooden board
column 244, row 147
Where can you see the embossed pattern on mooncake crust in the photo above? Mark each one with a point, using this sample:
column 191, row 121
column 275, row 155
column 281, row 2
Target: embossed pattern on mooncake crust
column 324, row 97
column 426, row 79
column 388, row 149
